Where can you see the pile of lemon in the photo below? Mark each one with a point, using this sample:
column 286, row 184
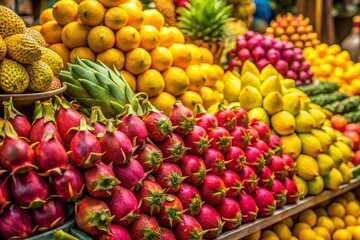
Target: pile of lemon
column 330, row 63
column 152, row 57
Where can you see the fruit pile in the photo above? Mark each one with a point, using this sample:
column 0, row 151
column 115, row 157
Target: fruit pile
column 25, row 63
column 153, row 58
column 264, row 50
column 295, row 29
column 329, row 63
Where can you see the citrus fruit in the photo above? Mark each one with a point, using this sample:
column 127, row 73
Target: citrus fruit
column 36, row 27
column 181, row 55
column 154, row 18
column 336, row 209
column 166, row 37
column 161, row 58
column 130, row 79
column 176, row 81
column 110, row 3
column 46, row 15
column 136, row 16
column 63, row 52
column 116, row 18
column 207, row 56
column 112, row 58
column 65, row 11
column 308, row 216
column 282, row 231
column 349, row 196
column 208, row 96
column 196, row 55
column 51, row 32
column 149, row 36
column 101, row 38
column 298, row 227
column 137, row 61
column 288, row 222
column 196, row 77
column 353, row 208
column 327, row 223
column 341, row 234
column 356, row 233
column 211, row 75
column 91, row 13
column 151, row 82
column 82, row 53
column 163, row 102
column 338, row 222
column 127, row 38
column 307, row 234
column 191, row 99
column 350, row 220
column 177, row 34
column 323, row 232
column 72, row 40
column 254, row 236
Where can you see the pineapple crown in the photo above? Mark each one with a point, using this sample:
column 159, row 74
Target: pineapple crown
column 204, row 19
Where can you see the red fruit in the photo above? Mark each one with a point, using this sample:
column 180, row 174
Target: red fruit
column 265, row 202
column 69, row 185
column 241, row 115
column 145, row 227
column 240, row 136
column 291, row 165
column 210, row 221
column 157, row 124
column 85, row 150
column 15, row 153
column 182, row 118
column 15, row 222
column 171, row 212
column 232, row 183
column 67, row 118
column 189, row 228
column 226, row 118
column 249, row 179
column 29, row 190
column 356, row 160
column 353, row 127
column 353, row 136
column 50, row 155
column 49, row 216
column 214, row 161
column 97, row 121
column 278, row 166
column 213, row 189
column 152, row 196
column 235, row 159
column 230, row 213
column 173, row 148
column 254, row 158
column 248, row 207
column 253, row 134
column 4, row 196
column 220, row 139
column 116, row 232
column 266, row 177
column 150, row 157
column 206, row 120
column 279, row 192
column 197, row 141
column 169, row 177
column 190, row 199
column 292, row 191
column 116, row 146
column 264, row 148
column 133, row 127
column 130, row 175
column 166, row 234
column 194, row 169
column 275, row 143
column 100, row 181
column 123, row 204
column 17, row 119
column 92, row 216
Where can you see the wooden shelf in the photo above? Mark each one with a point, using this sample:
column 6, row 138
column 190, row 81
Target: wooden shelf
column 287, row 211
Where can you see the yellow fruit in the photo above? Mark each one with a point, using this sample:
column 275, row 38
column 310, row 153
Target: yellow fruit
column 320, row 211
column 334, row 179
column 217, row 68
column 341, row 200
column 2, row 48
column 208, row 96
column 178, row 35
column 36, row 27
column 150, row 82
column 207, row 56
column 341, row 234
column 149, row 36
column 350, row 220
column 36, row 36
column 161, row 58
column 163, row 102
column 323, row 232
column 112, row 58
column 269, row 235
column 51, row 31
column 288, row 222
column 176, row 81
column 307, row 234
column 136, row 16
column 181, row 55
column 130, row 79
column 127, row 38
column 13, row 76
column 219, row 86
column 191, row 99
column 308, row 216
column 46, row 15
column 250, row 98
column 254, row 236
column 232, row 89
column 110, row 3
column 137, row 61
column 116, row 18
column 282, row 231
column 154, row 18
column 11, row 23
column 211, row 75
column 166, row 37
column 63, row 52
column 74, row 35
column 52, row 59
column 346, row 173
column 291, row 145
column 249, row 66
column 40, row 75
column 336, row 209
column 327, row 223
column 65, row 11
column 22, row 48
column 91, row 13
column 356, row 233
column 100, row 38
column 353, row 208
column 196, row 77
column 196, row 55
column 338, row 223
column 82, row 53
column 298, row 227
column 282, row 122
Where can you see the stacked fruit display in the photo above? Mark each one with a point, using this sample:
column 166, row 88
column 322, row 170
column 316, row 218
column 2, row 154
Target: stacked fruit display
column 153, row 58
column 295, row 29
column 330, row 63
column 25, row 63
column 264, row 50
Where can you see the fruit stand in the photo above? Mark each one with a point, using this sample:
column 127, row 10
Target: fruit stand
column 128, row 119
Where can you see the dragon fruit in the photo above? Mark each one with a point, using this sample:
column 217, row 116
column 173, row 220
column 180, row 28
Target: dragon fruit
column 275, row 144
column 262, row 129
column 292, row 194
column 182, row 118
column 213, row 189
column 193, row 168
column 279, row 192
column 230, row 213
column 254, row 158
column 253, row 134
column 241, row 115
column 152, row 196
column 17, row 119
column 265, row 202
column 226, row 118
column 98, row 121
column 116, row 232
column 235, row 159
column 197, row 141
column 131, row 175
column 150, row 157
column 232, row 182
column 15, row 222
column 189, row 228
column 171, row 212
column 291, row 165
column 248, row 207
column 278, row 166
column 166, row 234
column 220, row 139
column 49, row 216
column 190, row 199
column 4, row 195
column 240, row 136
column 173, row 148
column 265, row 149
column 210, row 221
column 249, row 179
column 169, row 176
column 205, row 120
column 266, row 177
column 145, row 227
column 214, row 161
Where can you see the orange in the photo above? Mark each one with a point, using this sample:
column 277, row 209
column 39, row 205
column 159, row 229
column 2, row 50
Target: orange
column 136, row 16
column 46, row 16
column 163, row 102
column 181, row 55
column 74, row 35
column 65, row 11
column 161, row 59
column 112, row 58
column 178, row 35
column 82, row 53
column 91, row 13
column 166, row 36
column 151, row 82
column 149, row 36
column 116, row 18
column 130, row 79
column 137, row 61
column 154, row 18
column 36, row 27
column 110, row 3
column 176, row 81
column 127, row 38
column 101, row 38
column 341, row 234
column 63, row 52
column 207, row 56
column 196, row 77
column 51, row 31
column 196, row 56
column 191, row 99
column 338, row 122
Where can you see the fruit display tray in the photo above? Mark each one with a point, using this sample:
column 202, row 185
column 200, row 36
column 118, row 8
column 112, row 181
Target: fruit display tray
column 287, row 211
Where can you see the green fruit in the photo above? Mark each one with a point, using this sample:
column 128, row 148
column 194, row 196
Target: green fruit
column 249, row 79
column 273, row 103
column 336, row 155
column 345, row 172
column 345, row 150
column 292, row 103
column 316, row 186
column 250, row 98
column 324, row 138
column 259, row 114
column 310, row 144
column 13, row 76
column 270, row 85
column 333, row 180
column 11, row 23
column 283, row 123
column 307, row 167
column 40, row 75
column 325, row 163
column 304, row 122
column 23, row 49
column 318, row 116
column 291, row 145
column 52, row 59
column 302, row 186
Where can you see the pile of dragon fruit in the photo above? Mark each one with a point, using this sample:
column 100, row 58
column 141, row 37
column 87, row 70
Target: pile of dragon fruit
column 155, row 177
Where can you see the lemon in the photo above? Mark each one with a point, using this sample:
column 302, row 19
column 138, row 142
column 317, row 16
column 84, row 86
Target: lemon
column 341, row 234
column 211, row 75
column 350, row 220
column 219, row 70
column 307, row 234
column 323, row 232
column 308, row 216
column 232, row 89
column 163, row 102
column 269, row 235
column 336, row 209
column 130, row 79
column 254, row 236
column 176, row 81
column 327, row 223
column 298, row 227
column 191, row 99
column 288, row 222
column 151, row 82
column 208, row 96
column 282, row 231
column 196, row 77
column 196, row 56
column 219, row 86
column 338, row 223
